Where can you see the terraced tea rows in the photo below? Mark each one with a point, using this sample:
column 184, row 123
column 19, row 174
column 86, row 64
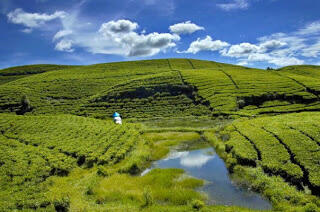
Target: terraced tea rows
column 13, row 73
column 282, row 147
column 59, row 91
column 158, row 95
column 246, row 91
column 41, row 155
column 305, row 75
column 33, row 148
column 214, row 86
column 230, row 89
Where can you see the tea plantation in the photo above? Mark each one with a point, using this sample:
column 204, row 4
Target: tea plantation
column 286, row 146
column 60, row 150
column 34, row 148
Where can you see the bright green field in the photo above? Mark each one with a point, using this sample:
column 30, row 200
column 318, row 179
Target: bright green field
column 67, row 155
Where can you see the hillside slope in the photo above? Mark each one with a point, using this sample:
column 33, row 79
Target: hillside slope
column 52, row 159
column 249, row 92
column 202, row 88
column 35, row 148
column 14, row 73
column 267, row 151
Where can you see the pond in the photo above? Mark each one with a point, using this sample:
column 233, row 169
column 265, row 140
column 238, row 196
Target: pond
column 207, row 165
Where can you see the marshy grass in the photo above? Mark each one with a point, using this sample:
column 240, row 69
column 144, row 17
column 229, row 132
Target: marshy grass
column 159, row 186
column 162, row 141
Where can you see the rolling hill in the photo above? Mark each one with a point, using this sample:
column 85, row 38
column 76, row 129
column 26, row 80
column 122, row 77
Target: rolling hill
column 265, row 128
column 196, row 88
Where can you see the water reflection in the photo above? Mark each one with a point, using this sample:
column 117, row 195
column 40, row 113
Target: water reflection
column 197, row 159
column 205, row 164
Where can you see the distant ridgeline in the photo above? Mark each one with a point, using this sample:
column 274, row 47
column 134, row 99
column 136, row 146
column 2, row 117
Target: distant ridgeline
column 158, row 88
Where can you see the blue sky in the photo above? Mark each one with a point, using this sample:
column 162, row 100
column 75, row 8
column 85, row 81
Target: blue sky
column 255, row 33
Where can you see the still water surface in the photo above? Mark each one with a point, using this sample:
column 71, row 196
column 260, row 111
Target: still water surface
column 207, row 165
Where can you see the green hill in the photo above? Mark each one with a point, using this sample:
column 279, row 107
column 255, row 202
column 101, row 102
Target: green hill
column 263, row 123
column 34, row 148
column 13, row 73
column 197, row 88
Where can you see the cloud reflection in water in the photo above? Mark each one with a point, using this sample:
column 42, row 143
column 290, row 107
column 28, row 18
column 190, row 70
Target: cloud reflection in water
column 191, row 159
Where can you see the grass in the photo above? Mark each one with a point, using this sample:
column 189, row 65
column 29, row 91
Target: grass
column 161, row 142
column 158, row 95
column 34, row 148
column 14, row 73
column 276, row 156
column 159, row 190
column 164, row 103
column 152, row 89
column 157, row 187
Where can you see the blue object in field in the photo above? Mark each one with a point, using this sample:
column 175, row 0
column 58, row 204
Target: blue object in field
column 116, row 115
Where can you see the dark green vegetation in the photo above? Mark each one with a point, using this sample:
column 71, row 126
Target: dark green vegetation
column 246, row 92
column 158, row 88
column 53, row 159
column 13, row 73
column 34, row 148
column 286, row 146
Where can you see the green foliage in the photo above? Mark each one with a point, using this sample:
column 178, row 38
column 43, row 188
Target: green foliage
column 6, row 79
column 283, row 196
column 61, row 91
column 284, row 147
column 154, row 88
column 25, row 106
column 242, row 149
column 161, row 141
column 274, row 156
column 244, row 91
column 14, row 73
column 45, row 152
column 147, row 195
column 31, row 69
column 151, row 96
column 197, row 204
column 156, row 187
column 34, row 148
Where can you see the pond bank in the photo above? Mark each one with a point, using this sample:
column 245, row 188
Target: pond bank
column 199, row 160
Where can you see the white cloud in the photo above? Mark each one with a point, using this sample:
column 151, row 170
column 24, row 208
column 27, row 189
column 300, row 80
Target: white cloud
column 312, row 28
column 270, row 51
column 120, row 26
column 61, row 34
column 32, row 20
column 312, row 51
column 129, row 43
column 176, row 155
column 185, row 28
column 206, row 44
column 278, row 61
column 240, row 50
column 280, row 49
column 270, row 45
column 234, row 5
column 247, row 49
column 27, row 30
column 258, row 57
column 243, row 63
column 150, row 44
column 120, row 38
column 285, row 61
column 64, row 45
column 195, row 161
